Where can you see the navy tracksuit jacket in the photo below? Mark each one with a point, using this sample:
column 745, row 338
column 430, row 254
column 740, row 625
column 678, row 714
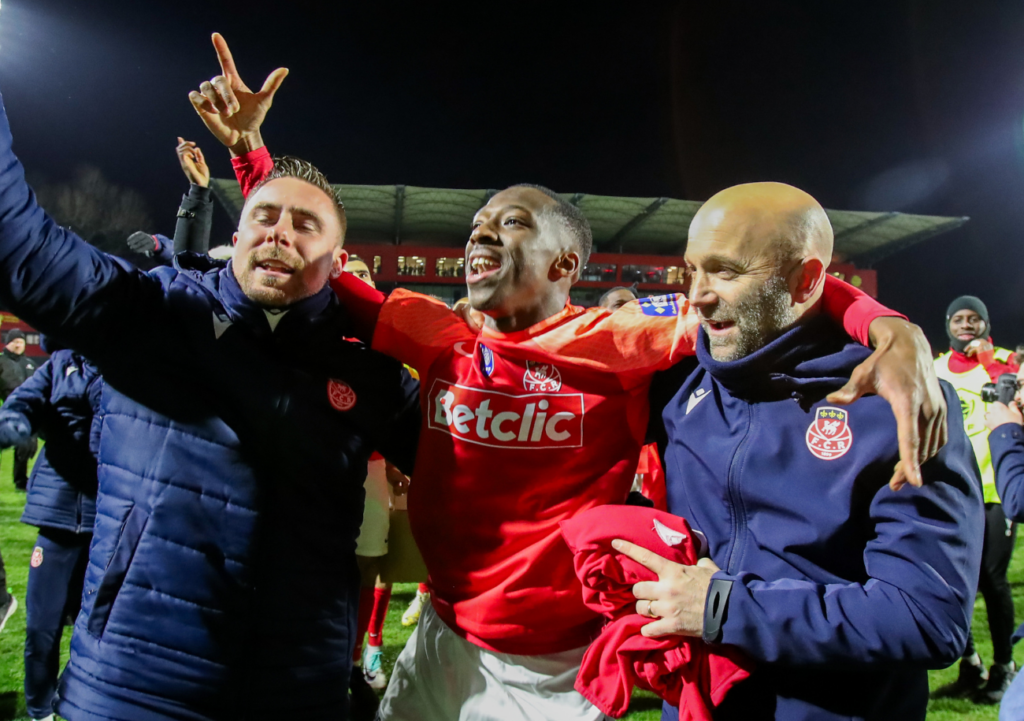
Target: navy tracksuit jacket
column 222, row 581
column 59, row 402
column 843, row 591
column 1007, row 445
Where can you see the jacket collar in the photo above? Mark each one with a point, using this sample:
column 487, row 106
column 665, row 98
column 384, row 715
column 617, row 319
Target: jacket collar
column 806, row 362
column 299, row 318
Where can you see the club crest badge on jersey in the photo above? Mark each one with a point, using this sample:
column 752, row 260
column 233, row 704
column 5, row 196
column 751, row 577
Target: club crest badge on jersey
column 660, row 306
column 486, row 360
column 542, row 378
column 341, row 395
column 37, row 557
column 829, row 436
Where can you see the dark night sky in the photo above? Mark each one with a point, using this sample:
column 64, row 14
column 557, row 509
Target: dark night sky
column 908, row 105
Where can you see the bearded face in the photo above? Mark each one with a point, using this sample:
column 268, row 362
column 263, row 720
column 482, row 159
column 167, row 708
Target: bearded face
column 736, row 328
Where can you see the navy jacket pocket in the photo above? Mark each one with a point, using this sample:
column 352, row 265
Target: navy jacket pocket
column 117, row 569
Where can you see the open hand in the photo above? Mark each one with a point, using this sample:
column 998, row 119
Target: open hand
column 231, row 111
column 676, row 600
column 193, row 163
column 901, row 371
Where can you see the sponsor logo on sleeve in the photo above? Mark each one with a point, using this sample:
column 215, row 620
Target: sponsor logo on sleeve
column 341, row 395
column 486, row 360
column 502, row 420
column 660, row 306
column 829, row 436
column 542, row 378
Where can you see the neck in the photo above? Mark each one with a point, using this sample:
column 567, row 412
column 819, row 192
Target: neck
column 526, row 317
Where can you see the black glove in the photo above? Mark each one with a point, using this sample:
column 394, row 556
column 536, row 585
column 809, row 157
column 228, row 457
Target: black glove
column 14, row 429
column 142, row 242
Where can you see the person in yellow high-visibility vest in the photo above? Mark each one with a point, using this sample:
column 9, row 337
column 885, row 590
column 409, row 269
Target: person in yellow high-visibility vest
column 971, row 362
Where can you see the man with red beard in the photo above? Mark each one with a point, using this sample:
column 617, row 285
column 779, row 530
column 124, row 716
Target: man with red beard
column 537, row 417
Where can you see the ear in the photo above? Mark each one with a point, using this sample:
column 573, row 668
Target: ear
column 234, row 239
column 566, row 265
column 338, row 264
column 807, row 280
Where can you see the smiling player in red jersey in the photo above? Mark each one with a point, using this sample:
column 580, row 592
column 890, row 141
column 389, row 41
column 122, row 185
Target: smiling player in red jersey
column 523, row 427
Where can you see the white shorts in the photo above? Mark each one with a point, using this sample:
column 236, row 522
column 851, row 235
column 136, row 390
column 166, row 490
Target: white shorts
column 373, row 534
column 440, row 676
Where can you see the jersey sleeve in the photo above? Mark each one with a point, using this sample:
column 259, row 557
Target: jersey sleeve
column 415, row 329
column 642, row 337
column 251, row 168
column 853, row 309
column 363, row 303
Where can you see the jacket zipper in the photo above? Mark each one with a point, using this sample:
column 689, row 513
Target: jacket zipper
column 734, row 493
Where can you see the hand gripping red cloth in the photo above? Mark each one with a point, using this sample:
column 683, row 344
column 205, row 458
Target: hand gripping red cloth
column 681, row 669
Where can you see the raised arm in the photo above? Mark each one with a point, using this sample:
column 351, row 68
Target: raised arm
column 60, row 284
column 195, row 216
column 229, row 109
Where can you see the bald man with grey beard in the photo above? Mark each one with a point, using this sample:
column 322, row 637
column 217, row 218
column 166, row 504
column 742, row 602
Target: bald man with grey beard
column 842, row 590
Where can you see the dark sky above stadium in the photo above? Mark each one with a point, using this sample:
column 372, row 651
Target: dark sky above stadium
column 906, row 105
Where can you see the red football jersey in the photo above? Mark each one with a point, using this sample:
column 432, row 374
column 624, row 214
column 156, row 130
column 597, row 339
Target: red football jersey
column 521, row 431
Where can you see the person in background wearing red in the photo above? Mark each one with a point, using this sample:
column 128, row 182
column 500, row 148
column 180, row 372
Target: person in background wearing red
column 971, row 362
column 371, row 546
column 650, row 478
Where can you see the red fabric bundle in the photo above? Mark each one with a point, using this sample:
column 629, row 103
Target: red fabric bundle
column 680, row 669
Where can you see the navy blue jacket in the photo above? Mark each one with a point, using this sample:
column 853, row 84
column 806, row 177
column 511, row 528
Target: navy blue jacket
column 1007, row 445
column 222, row 581
column 59, row 402
column 843, row 591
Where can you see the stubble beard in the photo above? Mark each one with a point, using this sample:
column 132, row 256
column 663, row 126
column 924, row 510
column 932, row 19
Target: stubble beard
column 271, row 292
column 760, row 317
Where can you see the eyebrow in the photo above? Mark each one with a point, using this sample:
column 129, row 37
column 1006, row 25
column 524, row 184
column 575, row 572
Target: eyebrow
column 731, row 262
column 506, row 208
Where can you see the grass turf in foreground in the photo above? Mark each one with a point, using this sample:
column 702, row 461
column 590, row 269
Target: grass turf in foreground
column 17, row 540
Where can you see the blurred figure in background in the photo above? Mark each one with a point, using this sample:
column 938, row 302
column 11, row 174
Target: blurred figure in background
column 971, row 362
column 618, row 297
column 15, row 369
column 650, row 476
column 59, row 403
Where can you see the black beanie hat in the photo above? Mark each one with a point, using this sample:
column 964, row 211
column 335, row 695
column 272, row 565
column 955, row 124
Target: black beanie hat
column 966, row 302
column 14, row 335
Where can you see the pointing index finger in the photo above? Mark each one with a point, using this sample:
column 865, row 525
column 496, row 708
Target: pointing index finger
column 646, row 558
column 227, row 62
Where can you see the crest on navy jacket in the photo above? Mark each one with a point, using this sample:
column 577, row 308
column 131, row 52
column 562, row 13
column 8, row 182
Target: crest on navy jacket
column 341, row 395
column 829, row 436
column 541, row 378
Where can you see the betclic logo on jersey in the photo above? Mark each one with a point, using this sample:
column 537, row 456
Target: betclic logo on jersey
column 503, row 420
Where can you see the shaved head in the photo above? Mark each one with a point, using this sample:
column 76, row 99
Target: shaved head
column 758, row 254
column 776, row 218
